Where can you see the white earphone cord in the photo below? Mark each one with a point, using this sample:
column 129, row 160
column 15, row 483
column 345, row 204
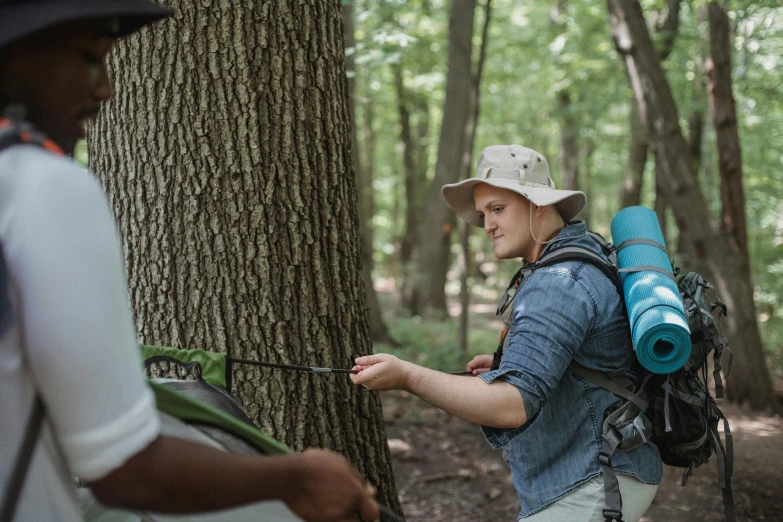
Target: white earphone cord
column 530, row 222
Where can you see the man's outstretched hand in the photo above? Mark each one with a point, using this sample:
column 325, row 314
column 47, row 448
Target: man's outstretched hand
column 382, row 372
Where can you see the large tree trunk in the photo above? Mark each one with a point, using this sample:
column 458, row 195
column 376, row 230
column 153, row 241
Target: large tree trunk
column 727, row 267
column 724, row 119
column 227, row 157
column 378, row 329
column 435, row 243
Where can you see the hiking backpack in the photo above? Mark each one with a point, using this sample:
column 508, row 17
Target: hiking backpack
column 675, row 410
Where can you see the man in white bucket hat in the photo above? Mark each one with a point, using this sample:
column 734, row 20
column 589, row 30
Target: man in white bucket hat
column 526, row 399
column 506, row 172
column 520, row 170
column 68, row 346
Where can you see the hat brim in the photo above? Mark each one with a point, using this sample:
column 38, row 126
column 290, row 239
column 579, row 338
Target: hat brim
column 21, row 19
column 459, row 196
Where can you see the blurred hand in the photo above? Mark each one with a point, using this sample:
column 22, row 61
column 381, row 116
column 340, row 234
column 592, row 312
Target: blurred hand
column 479, row 364
column 381, row 372
column 330, row 490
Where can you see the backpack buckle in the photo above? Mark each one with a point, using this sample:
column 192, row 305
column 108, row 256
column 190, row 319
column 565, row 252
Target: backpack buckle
column 613, row 514
column 605, row 459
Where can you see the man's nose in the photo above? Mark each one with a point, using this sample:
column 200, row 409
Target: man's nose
column 489, row 225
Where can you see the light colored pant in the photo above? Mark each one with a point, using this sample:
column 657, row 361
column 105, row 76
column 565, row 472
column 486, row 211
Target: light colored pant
column 586, row 503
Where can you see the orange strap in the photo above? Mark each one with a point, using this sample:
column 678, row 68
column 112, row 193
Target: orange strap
column 26, row 134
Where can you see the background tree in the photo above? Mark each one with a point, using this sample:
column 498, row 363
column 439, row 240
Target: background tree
column 435, row 239
column 717, row 251
column 378, row 329
column 466, row 167
column 724, row 117
column 227, row 157
column 528, row 63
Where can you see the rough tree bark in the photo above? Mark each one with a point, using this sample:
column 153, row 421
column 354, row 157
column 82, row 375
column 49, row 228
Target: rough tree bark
column 435, row 242
column 378, row 329
column 727, row 267
column 227, row 157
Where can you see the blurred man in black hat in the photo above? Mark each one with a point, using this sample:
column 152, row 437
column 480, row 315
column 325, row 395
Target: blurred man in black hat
column 67, row 340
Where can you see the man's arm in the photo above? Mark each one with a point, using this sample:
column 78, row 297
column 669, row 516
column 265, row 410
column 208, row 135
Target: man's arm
column 64, row 256
column 178, row 476
column 498, row 404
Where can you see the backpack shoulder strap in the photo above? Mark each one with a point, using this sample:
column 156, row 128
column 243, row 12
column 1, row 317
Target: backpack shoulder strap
column 22, row 462
column 616, row 385
column 575, row 253
column 15, row 131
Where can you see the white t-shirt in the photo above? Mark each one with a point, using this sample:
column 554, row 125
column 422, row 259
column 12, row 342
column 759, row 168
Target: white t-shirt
column 68, row 334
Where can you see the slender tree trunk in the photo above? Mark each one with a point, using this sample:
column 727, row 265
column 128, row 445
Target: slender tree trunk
column 727, row 267
column 568, row 152
column 412, row 223
column 415, row 183
column 666, row 30
column 226, row 154
column 470, row 138
column 695, row 151
column 660, row 211
column 724, row 119
column 378, row 329
column 568, row 146
column 637, row 159
column 587, row 181
column 695, row 138
column 435, row 243
column 408, row 164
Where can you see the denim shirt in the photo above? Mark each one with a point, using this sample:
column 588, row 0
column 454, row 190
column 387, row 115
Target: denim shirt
column 564, row 312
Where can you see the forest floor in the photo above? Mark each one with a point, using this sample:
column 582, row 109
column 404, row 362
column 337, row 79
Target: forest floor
column 445, row 470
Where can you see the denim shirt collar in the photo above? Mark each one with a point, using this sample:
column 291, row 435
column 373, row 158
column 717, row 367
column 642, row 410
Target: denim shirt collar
column 572, row 229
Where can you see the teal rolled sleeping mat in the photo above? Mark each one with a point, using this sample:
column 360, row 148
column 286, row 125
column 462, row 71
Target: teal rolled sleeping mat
column 659, row 326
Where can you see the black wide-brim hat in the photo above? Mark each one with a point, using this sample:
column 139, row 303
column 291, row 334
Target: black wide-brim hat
column 20, row 18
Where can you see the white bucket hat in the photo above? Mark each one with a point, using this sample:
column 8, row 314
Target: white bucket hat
column 515, row 168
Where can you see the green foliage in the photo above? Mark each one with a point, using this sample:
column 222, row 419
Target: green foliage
column 532, row 57
column 434, row 343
